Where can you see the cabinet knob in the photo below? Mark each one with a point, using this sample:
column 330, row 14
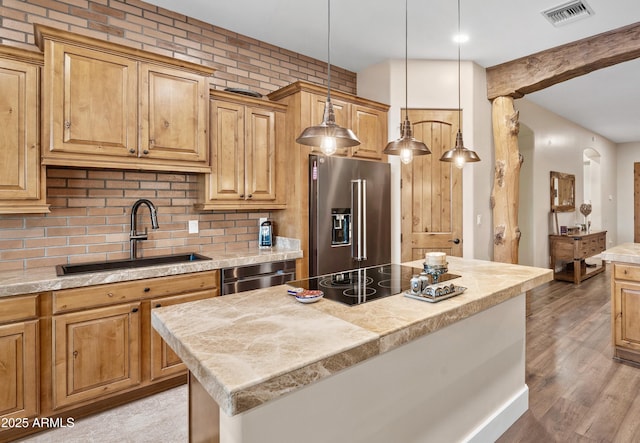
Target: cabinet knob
column 67, row 124
column 250, row 196
column 109, row 294
column 75, row 354
column 146, row 289
column 241, row 195
column 158, row 305
column 134, row 310
column 165, row 124
column 132, row 151
column 145, row 152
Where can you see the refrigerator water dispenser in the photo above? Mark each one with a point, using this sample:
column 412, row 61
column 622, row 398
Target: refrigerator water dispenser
column 340, row 226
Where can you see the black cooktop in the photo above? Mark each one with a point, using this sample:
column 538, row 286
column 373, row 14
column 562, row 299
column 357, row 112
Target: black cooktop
column 361, row 285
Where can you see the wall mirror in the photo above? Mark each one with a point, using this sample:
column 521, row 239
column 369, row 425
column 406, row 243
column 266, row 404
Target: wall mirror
column 563, row 192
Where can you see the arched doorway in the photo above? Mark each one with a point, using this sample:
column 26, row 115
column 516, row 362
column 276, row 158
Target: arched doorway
column 592, row 187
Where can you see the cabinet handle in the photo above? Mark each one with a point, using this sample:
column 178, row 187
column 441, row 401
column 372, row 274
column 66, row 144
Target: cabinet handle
column 147, row 289
column 132, row 151
column 67, row 124
column 75, row 354
column 134, row 310
column 158, row 305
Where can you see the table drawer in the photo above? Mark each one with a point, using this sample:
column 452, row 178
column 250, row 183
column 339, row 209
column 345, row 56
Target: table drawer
column 107, row 294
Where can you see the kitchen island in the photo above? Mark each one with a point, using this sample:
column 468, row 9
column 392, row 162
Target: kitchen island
column 625, row 300
column 265, row 368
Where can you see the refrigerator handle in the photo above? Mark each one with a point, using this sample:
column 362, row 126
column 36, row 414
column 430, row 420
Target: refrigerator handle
column 358, row 208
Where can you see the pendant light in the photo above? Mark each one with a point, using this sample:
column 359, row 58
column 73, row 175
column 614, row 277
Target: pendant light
column 459, row 155
column 406, row 146
column 328, row 135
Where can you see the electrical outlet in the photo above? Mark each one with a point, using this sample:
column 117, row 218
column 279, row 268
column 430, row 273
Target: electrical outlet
column 193, row 226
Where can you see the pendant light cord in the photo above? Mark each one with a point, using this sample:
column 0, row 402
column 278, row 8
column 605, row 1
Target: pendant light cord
column 459, row 44
column 328, row 50
column 406, row 56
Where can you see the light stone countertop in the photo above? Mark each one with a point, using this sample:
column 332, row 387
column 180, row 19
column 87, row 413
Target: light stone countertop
column 624, row 253
column 45, row 279
column 255, row 346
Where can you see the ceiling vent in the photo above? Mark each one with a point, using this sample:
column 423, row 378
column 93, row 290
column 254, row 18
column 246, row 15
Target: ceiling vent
column 568, row 13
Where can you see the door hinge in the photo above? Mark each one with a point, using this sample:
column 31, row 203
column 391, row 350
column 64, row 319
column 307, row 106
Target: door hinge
column 400, row 183
column 401, row 238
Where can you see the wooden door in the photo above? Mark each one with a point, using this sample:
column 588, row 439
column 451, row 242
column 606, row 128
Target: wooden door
column 173, row 114
column 260, row 154
column 19, row 370
column 636, row 202
column 341, row 111
column 165, row 362
column 370, row 126
column 431, row 194
column 20, row 164
column 95, row 353
column 93, row 107
column 228, row 151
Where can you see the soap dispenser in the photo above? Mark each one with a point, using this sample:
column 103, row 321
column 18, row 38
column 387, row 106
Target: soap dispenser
column 265, row 239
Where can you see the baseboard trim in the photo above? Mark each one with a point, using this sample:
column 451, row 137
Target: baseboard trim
column 502, row 419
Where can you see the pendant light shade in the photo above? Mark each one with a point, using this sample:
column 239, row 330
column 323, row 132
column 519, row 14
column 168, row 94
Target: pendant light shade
column 406, row 146
column 328, row 136
column 459, row 155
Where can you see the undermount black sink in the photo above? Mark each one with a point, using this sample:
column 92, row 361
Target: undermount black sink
column 110, row 265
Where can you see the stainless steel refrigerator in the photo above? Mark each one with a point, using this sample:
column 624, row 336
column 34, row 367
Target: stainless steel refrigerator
column 349, row 214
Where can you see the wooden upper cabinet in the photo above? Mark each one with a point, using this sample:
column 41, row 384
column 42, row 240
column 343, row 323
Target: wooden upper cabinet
column 174, row 114
column 108, row 105
column 370, row 125
column 366, row 118
column 22, row 179
column 93, row 102
column 247, row 162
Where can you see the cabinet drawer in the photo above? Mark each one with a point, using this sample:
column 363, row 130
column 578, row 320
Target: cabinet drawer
column 13, row 309
column 626, row 272
column 108, row 294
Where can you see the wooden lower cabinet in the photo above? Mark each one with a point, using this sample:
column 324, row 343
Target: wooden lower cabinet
column 19, row 370
column 95, row 352
column 73, row 352
column 625, row 311
column 165, row 362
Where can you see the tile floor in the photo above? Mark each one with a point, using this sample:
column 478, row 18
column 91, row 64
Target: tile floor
column 161, row 418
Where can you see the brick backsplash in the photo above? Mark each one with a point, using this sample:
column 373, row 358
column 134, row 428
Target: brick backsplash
column 90, row 209
column 90, row 220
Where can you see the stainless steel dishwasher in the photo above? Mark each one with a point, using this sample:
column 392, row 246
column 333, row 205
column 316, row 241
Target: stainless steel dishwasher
column 262, row 275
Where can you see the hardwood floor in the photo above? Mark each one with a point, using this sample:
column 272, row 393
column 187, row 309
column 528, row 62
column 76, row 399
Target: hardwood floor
column 577, row 392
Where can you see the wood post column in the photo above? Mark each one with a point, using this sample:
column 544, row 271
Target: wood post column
column 506, row 182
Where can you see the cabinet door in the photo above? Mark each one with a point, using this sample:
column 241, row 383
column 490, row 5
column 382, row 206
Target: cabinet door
column 341, row 111
column 626, row 315
column 19, row 370
column 93, row 107
column 21, row 176
column 370, row 126
column 95, row 353
column 260, row 152
column 173, row 114
column 228, row 151
column 165, row 362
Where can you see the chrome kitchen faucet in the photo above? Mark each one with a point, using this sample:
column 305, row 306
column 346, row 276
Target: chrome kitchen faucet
column 134, row 236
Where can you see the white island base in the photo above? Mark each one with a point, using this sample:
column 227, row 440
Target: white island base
column 464, row 382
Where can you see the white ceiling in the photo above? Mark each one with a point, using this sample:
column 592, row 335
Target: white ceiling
column 365, row 32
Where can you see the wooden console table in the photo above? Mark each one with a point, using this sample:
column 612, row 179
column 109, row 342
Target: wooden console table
column 568, row 252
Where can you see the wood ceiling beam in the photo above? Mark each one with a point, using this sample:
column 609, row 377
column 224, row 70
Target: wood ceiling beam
column 538, row 71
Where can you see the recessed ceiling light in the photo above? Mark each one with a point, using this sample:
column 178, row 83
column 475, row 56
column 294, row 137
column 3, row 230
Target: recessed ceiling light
column 460, row 38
